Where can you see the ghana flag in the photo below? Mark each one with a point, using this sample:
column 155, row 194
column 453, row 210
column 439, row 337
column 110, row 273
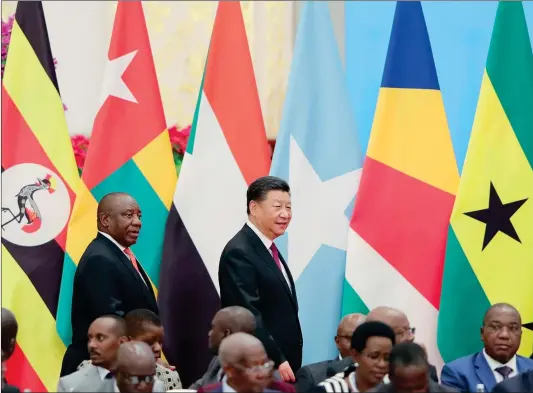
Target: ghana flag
column 130, row 152
column 489, row 255
column 38, row 175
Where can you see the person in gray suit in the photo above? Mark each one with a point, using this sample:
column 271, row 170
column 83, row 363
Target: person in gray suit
column 409, row 372
column 135, row 371
column 312, row 374
column 104, row 338
column 229, row 320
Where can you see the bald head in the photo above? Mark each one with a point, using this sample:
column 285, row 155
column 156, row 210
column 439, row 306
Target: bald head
column 500, row 308
column 110, row 201
column 238, row 347
column 396, row 319
column 237, row 319
column 345, row 331
column 134, row 353
column 9, row 333
column 119, row 216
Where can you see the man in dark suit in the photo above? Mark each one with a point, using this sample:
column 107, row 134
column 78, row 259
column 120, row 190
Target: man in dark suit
column 519, row 383
column 403, row 330
column 253, row 274
column 409, row 372
column 108, row 279
column 312, row 374
column 501, row 334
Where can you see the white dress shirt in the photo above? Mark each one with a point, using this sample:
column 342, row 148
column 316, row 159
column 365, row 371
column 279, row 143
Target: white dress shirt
column 494, row 364
column 268, row 243
column 121, row 248
column 102, row 372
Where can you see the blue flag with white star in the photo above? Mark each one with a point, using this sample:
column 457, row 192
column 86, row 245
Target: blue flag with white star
column 317, row 152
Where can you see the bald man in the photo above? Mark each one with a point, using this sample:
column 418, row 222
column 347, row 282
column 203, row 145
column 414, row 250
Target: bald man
column 109, row 279
column 246, row 366
column 312, row 374
column 401, row 326
column 501, row 333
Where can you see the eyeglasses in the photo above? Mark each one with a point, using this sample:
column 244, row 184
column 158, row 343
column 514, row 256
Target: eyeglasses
column 261, row 368
column 406, row 333
column 137, row 379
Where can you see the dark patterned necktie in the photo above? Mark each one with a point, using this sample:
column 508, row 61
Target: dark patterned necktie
column 504, row 371
column 275, row 255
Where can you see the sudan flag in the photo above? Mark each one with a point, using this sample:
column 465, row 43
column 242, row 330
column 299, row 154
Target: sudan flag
column 130, row 152
column 38, row 175
column 489, row 255
column 227, row 150
column 396, row 245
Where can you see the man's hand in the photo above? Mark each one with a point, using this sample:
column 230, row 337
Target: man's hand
column 165, row 364
column 286, row 373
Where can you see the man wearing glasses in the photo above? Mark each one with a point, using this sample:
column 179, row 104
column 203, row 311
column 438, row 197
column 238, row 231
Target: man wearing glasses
column 403, row 330
column 247, row 368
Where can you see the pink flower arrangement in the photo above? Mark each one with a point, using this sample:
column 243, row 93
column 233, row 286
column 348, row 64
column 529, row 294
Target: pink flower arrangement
column 6, row 37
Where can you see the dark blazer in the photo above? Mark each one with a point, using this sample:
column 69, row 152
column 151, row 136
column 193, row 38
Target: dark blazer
column 217, row 388
column 519, row 383
column 250, row 278
column 465, row 373
column 433, row 388
column 105, row 282
column 312, row 374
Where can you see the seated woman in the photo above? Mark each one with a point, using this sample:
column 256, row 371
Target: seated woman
column 371, row 346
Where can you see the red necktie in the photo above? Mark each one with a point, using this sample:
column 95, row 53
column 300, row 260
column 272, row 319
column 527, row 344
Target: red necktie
column 275, row 255
column 133, row 260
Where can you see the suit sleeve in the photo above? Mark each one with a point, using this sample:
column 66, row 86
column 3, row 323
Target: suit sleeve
column 433, row 373
column 304, row 380
column 98, row 279
column 450, row 378
column 60, row 387
column 238, row 282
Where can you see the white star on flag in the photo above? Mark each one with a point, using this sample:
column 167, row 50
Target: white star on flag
column 114, row 85
column 318, row 209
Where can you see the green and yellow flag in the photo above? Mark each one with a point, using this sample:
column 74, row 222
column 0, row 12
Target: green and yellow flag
column 489, row 255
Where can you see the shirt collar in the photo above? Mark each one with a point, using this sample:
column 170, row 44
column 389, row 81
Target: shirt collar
column 226, row 387
column 266, row 241
column 121, row 247
column 102, row 372
column 494, row 364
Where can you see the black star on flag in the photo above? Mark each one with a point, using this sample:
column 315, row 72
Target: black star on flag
column 497, row 217
column 528, row 326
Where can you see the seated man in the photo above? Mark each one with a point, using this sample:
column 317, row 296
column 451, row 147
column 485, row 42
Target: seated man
column 519, row 383
column 371, row 346
column 310, row 375
column 409, row 372
column 144, row 325
column 399, row 322
column 230, row 320
column 501, row 334
column 135, row 372
column 247, row 368
column 103, row 340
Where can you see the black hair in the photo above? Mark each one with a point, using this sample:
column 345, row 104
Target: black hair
column 135, row 320
column 120, row 324
column 370, row 329
column 407, row 354
column 501, row 306
column 258, row 190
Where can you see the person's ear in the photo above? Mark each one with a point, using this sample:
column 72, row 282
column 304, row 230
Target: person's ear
column 253, row 208
column 123, row 339
column 104, row 220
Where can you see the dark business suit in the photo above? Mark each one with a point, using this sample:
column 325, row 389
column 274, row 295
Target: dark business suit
column 433, row 388
column 105, row 282
column 312, row 374
column 519, row 383
column 250, row 278
column 465, row 373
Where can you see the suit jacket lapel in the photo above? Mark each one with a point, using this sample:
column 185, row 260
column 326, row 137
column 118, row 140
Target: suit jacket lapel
column 261, row 250
column 483, row 371
column 289, row 275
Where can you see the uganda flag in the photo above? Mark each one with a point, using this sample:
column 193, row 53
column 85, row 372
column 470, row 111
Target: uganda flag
column 397, row 241
column 38, row 175
column 489, row 255
column 130, row 152
column 226, row 151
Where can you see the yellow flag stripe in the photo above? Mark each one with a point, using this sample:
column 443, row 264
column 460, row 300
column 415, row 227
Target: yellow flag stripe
column 37, row 334
column 42, row 110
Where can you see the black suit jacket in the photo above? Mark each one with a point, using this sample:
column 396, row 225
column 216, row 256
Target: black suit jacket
column 249, row 277
column 105, row 282
column 520, row 383
column 312, row 374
